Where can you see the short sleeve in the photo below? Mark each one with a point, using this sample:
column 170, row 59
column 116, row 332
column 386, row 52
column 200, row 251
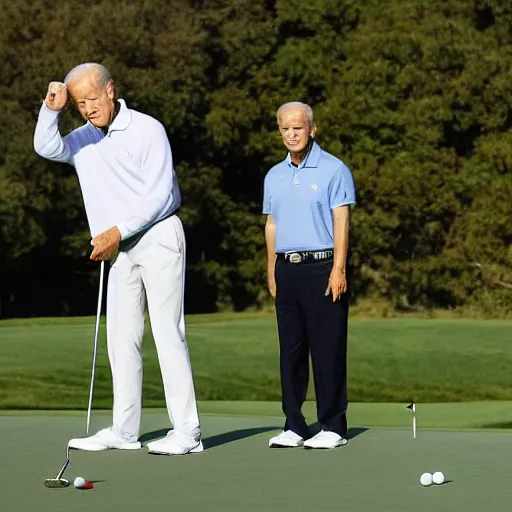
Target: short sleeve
column 267, row 203
column 341, row 189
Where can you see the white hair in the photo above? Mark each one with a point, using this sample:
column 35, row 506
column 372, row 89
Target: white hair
column 103, row 74
column 297, row 104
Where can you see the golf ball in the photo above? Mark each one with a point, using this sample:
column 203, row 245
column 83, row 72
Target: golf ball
column 79, row 482
column 438, row 478
column 426, row 479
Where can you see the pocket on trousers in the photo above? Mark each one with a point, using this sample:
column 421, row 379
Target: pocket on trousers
column 167, row 235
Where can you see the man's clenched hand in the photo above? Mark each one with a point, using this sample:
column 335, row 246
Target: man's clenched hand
column 57, row 96
column 106, row 245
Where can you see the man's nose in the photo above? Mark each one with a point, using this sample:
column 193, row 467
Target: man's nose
column 89, row 110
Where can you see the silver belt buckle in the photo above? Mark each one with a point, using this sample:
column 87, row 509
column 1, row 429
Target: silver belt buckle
column 295, row 257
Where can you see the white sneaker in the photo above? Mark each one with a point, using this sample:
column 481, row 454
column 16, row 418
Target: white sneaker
column 286, row 439
column 105, row 439
column 176, row 443
column 325, row 439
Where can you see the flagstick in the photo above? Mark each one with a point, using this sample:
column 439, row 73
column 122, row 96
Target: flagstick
column 412, row 407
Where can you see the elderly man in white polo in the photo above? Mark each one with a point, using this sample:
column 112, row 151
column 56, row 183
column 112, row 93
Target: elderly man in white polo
column 125, row 168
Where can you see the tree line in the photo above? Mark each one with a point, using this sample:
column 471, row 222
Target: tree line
column 414, row 96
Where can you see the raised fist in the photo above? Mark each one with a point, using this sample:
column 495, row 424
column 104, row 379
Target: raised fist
column 57, row 96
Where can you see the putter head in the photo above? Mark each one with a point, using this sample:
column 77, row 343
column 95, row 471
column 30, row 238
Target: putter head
column 56, row 483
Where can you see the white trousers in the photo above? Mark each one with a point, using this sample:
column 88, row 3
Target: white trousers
column 153, row 269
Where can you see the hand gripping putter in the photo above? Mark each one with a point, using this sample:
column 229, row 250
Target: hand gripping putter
column 58, row 481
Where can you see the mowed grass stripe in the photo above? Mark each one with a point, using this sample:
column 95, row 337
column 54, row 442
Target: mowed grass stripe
column 235, row 357
column 442, row 416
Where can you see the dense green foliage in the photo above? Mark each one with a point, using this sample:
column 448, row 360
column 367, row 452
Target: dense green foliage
column 414, row 96
column 46, row 365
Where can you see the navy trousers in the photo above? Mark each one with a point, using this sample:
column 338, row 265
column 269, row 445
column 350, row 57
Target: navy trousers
column 310, row 323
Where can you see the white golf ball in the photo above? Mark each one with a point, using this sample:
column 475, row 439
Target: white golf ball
column 79, row 482
column 438, row 478
column 426, row 479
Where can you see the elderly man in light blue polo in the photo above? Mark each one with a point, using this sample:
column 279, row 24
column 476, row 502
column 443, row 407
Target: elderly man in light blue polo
column 307, row 200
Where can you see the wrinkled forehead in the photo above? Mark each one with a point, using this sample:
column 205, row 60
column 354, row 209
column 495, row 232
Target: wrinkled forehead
column 293, row 116
column 85, row 85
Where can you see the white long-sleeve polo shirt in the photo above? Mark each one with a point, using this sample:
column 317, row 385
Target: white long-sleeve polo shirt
column 126, row 177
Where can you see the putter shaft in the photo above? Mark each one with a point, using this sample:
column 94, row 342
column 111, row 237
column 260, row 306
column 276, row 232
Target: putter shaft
column 95, row 348
column 62, row 469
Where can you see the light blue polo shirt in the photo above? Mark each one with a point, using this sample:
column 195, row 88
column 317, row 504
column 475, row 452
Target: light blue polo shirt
column 300, row 200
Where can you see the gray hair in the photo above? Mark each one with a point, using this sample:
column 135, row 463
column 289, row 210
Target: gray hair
column 103, row 74
column 297, row 104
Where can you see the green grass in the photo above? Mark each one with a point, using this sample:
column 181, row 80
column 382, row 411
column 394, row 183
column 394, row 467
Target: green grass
column 45, row 363
column 377, row 471
column 441, row 416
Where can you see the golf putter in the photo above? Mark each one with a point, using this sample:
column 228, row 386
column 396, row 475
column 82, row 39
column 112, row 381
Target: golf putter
column 95, row 350
column 58, row 482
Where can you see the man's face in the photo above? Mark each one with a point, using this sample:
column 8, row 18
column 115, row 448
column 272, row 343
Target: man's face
column 94, row 101
column 295, row 129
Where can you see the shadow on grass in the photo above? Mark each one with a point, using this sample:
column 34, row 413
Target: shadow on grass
column 502, row 424
column 236, row 435
column 352, row 431
column 213, row 441
column 356, row 431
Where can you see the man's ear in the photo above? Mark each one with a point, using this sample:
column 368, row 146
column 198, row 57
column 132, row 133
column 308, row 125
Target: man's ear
column 111, row 90
column 312, row 133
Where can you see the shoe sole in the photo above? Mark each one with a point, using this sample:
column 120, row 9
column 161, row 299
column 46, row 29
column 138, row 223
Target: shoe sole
column 324, row 447
column 133, row 446
column 277, row 445
column 101, row 448
column 197, row 449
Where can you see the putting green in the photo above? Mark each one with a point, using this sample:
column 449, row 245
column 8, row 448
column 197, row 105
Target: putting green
column 378, row 471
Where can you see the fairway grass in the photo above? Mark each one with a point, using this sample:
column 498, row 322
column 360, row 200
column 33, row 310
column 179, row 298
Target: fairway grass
column 46, row 363
column 445, row 416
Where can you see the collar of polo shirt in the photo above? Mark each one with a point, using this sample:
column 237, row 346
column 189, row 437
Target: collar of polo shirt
column 122, row 120
column 312, row 158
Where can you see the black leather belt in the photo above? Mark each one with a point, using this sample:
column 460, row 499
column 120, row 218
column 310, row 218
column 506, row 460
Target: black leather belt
column 131, row 242
column 298, row 257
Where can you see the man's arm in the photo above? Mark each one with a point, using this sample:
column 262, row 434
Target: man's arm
column 48, row 142
column 342, row 194
column 341, row 225
column 270, row 239
column 161, row 188
column 338, row 279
